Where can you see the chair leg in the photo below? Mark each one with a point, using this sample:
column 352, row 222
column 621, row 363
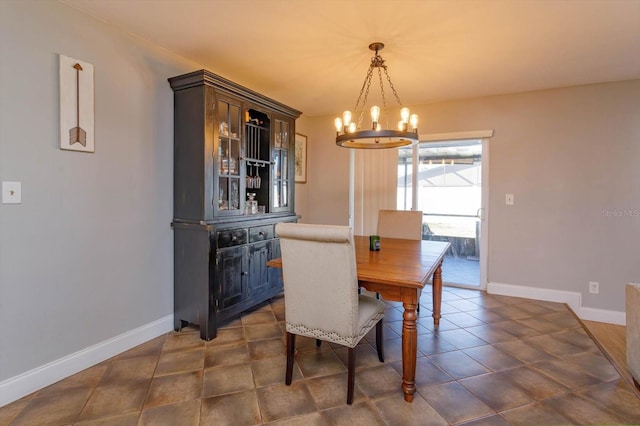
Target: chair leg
column 351, row 375
column 379, row 345
column 291, row 345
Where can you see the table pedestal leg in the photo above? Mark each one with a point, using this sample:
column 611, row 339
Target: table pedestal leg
column 437, row 294
column 409, row 351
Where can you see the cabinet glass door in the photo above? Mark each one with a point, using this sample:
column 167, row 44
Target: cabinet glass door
column 281, row 151
column 229, row 150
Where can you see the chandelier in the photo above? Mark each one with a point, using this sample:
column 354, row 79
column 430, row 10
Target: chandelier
column 351, row 135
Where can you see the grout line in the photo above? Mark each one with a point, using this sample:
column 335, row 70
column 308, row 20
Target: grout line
column 153, row 375
column 77, row 418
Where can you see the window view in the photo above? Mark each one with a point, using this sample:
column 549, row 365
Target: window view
column 449, row 193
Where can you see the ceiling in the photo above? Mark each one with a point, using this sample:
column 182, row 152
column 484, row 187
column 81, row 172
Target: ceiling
column 313, row 54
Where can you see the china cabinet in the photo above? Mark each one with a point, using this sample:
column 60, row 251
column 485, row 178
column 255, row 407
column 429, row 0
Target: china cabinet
column 233, row 182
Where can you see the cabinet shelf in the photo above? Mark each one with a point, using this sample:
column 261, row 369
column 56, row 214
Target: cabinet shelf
column 256, row 126
column 258, row 162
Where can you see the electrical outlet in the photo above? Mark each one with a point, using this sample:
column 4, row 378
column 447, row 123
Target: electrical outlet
column 594, row 287
column 508, row 199
column 11, row 193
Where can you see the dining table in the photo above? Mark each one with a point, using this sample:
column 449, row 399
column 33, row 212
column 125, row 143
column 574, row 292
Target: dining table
column 398, row 272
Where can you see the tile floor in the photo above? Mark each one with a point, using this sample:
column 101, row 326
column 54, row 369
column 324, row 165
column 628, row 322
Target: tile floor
column 494, row 360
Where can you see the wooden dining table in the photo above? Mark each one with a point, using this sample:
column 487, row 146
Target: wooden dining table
column 398, row 272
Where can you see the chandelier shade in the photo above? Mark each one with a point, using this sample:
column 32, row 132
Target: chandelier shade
column 350, row 134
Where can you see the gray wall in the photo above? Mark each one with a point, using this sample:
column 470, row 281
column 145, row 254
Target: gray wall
column 88, row 254
column 570, row 156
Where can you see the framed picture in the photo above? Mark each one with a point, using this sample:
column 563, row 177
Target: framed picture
column 301, row 158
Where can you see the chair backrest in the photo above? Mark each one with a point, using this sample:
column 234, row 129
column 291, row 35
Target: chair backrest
column 405, row 224
column 320, row 281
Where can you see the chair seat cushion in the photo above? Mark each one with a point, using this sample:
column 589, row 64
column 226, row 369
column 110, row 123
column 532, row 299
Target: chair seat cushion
column 370, row 311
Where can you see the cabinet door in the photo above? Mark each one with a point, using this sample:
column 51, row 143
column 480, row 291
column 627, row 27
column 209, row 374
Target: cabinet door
column 282, row 164
column 232, row 272
column 259, row 281
column 229, row 180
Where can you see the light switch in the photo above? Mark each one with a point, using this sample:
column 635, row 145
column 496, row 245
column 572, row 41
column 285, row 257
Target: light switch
column 11, row 193
column 509, row 199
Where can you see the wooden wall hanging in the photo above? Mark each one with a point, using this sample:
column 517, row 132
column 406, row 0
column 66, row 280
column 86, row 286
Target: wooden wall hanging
column 76, row 105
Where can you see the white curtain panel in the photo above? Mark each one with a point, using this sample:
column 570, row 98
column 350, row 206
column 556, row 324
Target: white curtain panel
column 376, row 181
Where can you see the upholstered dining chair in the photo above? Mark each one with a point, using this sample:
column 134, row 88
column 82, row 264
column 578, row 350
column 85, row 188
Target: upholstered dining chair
column 321, row 292
column 405, row 224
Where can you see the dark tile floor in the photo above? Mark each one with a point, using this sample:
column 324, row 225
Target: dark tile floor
column 494, row 360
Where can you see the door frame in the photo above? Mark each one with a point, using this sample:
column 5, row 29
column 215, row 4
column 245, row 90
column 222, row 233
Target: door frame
column 484, row 136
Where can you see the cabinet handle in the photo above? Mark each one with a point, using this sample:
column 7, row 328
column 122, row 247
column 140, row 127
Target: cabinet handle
column 261, row 233
column 245, row 273
column 234, row 238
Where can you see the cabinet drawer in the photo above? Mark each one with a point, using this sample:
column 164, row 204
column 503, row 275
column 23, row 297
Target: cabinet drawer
column 232, row 237
column 261, row 233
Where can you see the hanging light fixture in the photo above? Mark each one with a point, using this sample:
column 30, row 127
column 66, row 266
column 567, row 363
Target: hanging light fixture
column 350, row 134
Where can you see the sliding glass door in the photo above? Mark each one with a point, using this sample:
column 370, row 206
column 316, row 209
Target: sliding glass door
column 444, row 180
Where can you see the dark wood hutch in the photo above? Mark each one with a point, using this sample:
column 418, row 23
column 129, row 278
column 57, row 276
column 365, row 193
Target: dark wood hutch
column 233, row 158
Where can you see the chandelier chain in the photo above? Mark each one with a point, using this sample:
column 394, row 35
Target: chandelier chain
column 391, row 85
column 384, row 100
column 365, row 89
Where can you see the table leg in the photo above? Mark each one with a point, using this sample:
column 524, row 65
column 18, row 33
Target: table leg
column 409, row 350
column 437, row 294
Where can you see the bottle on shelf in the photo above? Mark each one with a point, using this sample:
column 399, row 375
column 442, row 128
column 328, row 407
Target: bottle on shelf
column 251, row 207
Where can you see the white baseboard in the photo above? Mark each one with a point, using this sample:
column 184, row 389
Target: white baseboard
column 603, row 315
column 573, row 299
column 23, row 384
